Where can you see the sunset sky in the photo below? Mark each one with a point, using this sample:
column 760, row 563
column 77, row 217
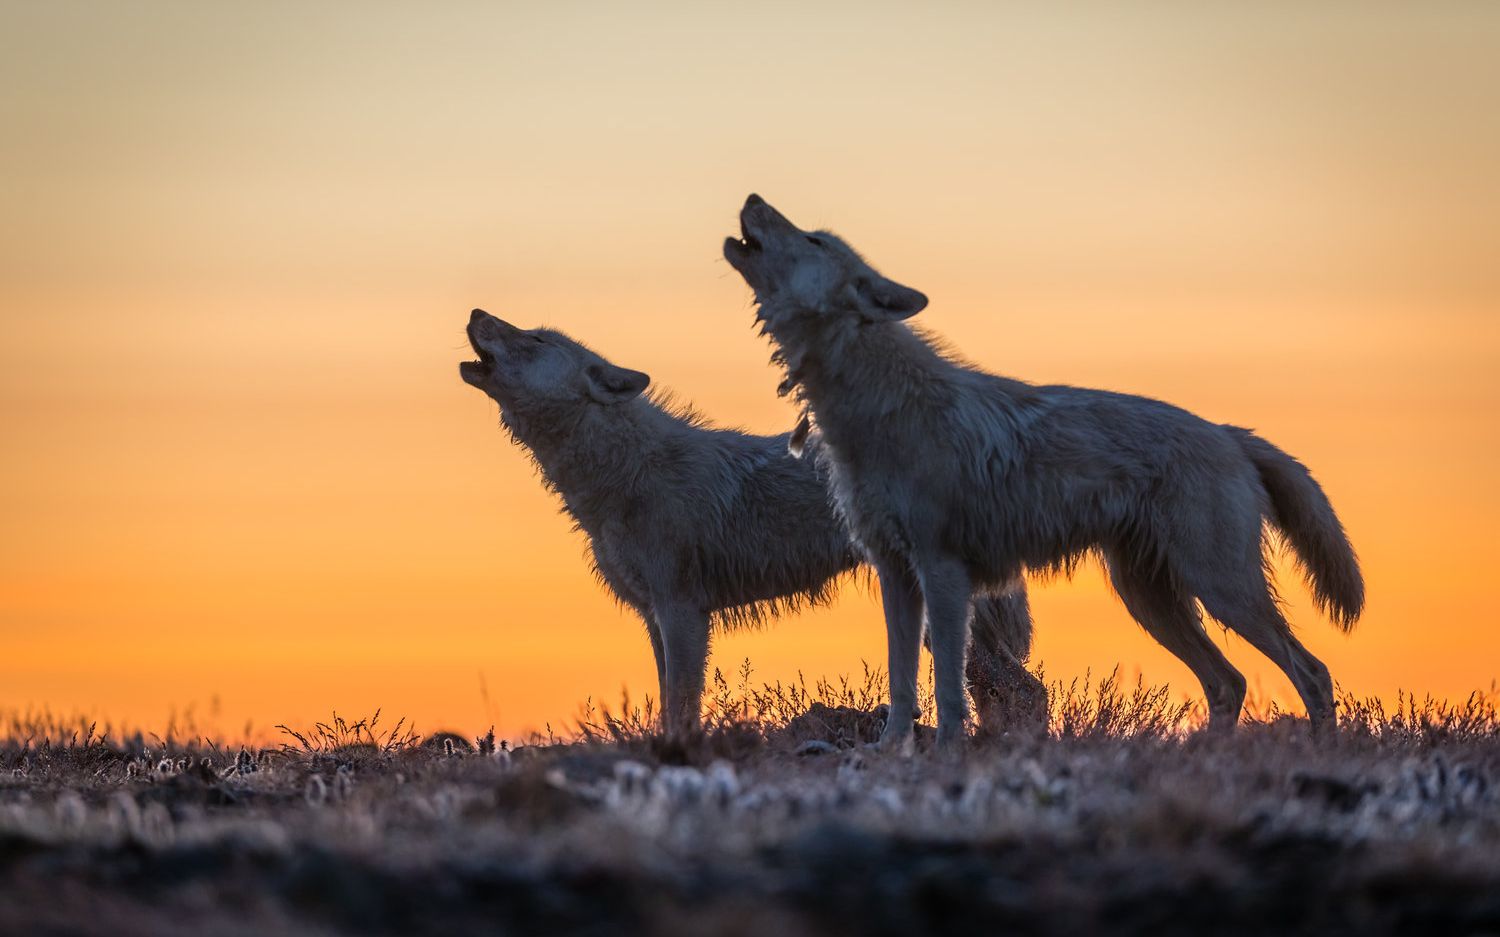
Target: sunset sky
column 239, row 243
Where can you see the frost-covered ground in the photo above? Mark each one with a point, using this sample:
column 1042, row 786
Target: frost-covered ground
column 776, row 823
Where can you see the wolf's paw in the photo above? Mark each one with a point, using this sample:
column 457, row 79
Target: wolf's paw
column 951, row 740
column 902, row 744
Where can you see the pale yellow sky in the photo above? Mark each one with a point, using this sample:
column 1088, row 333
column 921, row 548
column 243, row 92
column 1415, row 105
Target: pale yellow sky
column 238, row 245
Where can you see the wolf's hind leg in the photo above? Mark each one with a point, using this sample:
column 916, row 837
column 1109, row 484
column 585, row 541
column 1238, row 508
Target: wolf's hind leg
column 1252, row 613
column 901, row 598
column 948, row 596
column 1173, row 620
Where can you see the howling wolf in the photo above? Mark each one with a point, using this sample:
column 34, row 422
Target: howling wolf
column 953, row 480
column 693, row 526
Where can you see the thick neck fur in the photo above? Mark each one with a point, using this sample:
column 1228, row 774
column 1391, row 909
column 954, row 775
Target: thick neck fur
column 835, row 362
column 595, row 457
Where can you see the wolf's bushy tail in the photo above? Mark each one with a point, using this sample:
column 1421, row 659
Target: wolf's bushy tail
column 1302, row 512
column 1003, row 620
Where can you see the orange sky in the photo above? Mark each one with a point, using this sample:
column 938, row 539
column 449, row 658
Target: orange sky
column 238, row 246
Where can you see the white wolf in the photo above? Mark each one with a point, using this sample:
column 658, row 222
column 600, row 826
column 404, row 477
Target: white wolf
column 953, row 480
column 692, row 526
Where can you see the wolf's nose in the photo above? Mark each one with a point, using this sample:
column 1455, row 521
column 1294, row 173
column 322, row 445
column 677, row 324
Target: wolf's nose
column 754, row 200
column 478, row 315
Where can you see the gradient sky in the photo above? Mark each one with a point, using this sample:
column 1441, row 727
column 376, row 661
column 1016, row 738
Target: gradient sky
column 238, row 245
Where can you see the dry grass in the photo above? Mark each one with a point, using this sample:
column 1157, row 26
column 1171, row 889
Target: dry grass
column 1123, row 818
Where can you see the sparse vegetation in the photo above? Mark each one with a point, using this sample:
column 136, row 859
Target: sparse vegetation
column 1124, row 818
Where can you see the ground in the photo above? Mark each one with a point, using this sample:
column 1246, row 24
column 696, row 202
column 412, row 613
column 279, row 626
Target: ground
column 1121, row 819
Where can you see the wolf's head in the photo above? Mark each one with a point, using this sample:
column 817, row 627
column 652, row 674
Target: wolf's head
column 797, row 273
column 537, row 372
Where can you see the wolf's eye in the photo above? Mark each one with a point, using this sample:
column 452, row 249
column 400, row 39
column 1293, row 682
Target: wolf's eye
column 812, row 240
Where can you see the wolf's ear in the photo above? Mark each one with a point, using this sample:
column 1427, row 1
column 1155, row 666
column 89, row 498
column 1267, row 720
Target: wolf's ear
column 885, row 300
column 609, row 384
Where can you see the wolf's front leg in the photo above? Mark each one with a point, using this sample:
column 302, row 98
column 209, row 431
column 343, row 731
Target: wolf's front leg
column 948, row 592
column 684, row 638
column 660, row 653
column 902, row 600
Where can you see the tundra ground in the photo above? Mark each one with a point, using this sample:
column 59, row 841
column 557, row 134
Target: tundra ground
column 1121, row 819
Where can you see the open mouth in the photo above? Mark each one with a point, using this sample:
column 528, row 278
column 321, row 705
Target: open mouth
column 745, row 244
column 748, row 240
column 737, row 250
column 476, row 372
column 478, row 368
column 486, row 357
